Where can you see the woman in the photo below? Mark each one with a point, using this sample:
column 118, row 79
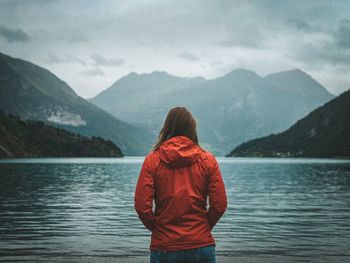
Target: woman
column 179, row 175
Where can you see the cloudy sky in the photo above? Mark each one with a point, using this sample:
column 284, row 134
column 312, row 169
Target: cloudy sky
column 91, row 44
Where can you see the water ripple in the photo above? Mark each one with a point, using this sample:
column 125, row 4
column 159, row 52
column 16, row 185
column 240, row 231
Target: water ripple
column 76, row 210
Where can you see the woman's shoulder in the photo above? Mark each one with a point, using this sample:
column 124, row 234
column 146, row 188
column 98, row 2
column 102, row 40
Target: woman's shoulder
column 152, row 153
column 208, row 156
column 152, row 156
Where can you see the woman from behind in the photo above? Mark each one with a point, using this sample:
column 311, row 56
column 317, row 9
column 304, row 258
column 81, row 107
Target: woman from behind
column 180, row 176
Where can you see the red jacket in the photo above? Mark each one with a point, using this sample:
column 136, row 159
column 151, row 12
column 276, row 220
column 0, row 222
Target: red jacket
column 179, row 176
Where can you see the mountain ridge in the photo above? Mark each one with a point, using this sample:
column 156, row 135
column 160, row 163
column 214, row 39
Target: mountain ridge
column 229, row 110
column 33, row 92
column 21, row 138
column 324, row 132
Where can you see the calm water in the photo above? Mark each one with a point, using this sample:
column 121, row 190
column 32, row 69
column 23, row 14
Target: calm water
column 81, row 210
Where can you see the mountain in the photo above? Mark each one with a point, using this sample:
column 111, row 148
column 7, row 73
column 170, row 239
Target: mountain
column 229, row 110
column 325, row 132
column 128, row 95
column 33, row 92
column 20, row 138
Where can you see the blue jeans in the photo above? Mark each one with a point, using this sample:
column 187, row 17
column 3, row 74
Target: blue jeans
column 197, row 255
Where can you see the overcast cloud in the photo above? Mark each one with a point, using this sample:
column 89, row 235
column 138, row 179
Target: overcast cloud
column 90, row 44
column 13, row 34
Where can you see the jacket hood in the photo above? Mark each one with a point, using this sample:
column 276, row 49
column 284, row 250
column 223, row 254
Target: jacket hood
column 179, row 151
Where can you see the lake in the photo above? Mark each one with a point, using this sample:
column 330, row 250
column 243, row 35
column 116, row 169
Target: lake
column 81, row 210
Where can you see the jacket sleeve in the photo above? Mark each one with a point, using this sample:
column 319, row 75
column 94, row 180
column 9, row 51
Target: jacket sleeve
column 144, row 193
column 216, row 193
